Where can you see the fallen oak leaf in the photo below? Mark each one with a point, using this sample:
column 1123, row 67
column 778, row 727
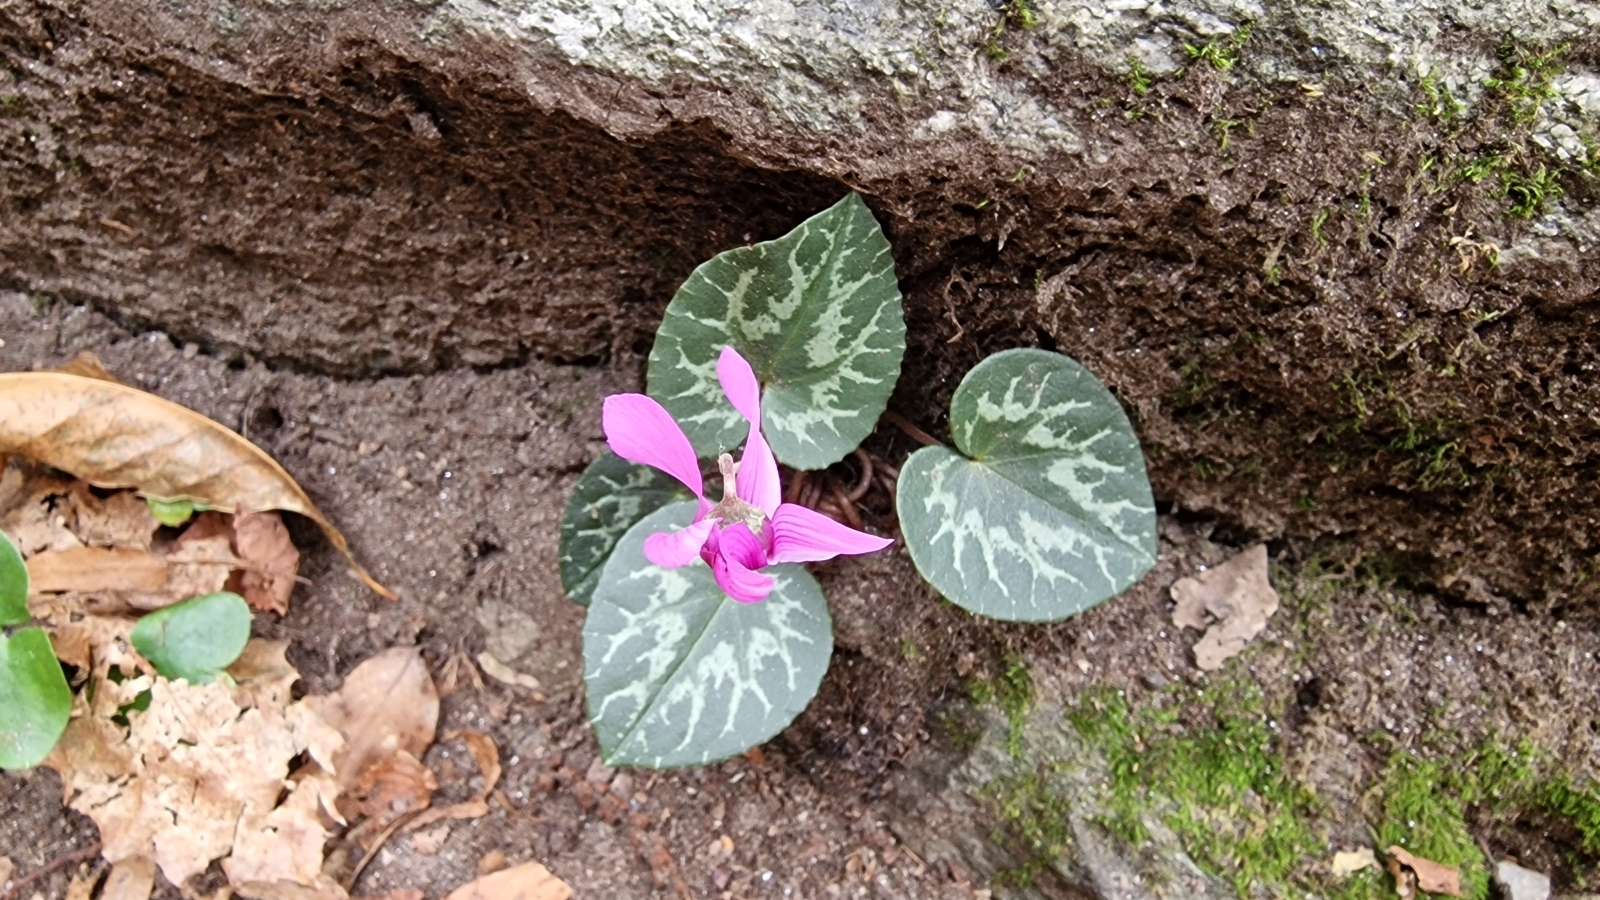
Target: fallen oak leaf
column 1435, row 878
column 1231, row 603
column 528, row 881
column 114, row 436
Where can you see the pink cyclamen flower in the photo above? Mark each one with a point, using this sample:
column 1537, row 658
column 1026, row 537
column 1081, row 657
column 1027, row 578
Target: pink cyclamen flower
column 750, row 529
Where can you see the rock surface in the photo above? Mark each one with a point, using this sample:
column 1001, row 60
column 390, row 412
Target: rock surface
column 1339, row 261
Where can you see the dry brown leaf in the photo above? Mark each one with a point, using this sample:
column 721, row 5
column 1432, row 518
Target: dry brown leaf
column 120, row 520
column 262, row 541
column 324, row 889
column 191, row 774
column 1431, row 876
column 7, row 869
column 92, row 569
column 87, row 365
column 1348, row 862
column 114, row 436
column 387, row 704
column 35, row 520
column 493, row 861
column 132, row 879
column 504, row 674
column 396, row 785
column 84, row 882
column 487, row 756
column 428, row 842
column 398, row 894
column 284, row 844
column 194, row 569
column 529, row 881
column 1232, row 602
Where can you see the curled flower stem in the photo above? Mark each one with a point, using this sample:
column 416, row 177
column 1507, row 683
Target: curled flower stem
column 865, row 483
column 846, row 507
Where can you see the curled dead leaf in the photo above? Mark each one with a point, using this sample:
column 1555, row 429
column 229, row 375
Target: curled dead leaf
column 1231, row 603
column 91, row 569
column 1435, row 878
column 114, row 436
column 487, row 757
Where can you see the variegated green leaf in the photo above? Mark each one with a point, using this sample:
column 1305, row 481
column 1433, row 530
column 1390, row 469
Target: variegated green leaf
column 35, row 701
column 1051, row 514
column 13, row 584
column 817, row 314
column 679, row 674
column 610, row 496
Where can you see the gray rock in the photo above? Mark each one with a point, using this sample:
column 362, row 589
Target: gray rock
column 1517, row 883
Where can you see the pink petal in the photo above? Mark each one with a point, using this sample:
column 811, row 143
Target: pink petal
column 757, row 482
column 671, row 549
column 640, row 430
column 802, row 535
column 739, row 383
column 736, row 579
column 739, row 544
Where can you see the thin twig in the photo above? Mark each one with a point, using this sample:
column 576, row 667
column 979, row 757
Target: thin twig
column 865, row 484
column 917, row 434
column 383, row 836
column 60, row 862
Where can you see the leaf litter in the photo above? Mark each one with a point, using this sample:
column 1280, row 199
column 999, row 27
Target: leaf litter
column 1412, row 873
column 1231, row 603
column 177, row 775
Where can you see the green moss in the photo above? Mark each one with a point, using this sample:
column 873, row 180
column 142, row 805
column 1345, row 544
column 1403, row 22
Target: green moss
column 1579, row 807
column 1237, row 813
column 1139, row 78
column 1221, row 54
column 1012, row 692
column 1524, row 78
column 1036, row 823
column 1420, row 813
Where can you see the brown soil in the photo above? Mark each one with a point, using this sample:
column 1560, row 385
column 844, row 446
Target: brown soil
column 455, row 504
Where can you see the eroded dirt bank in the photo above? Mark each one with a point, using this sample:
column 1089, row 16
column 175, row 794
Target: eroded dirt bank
column 1325, row 320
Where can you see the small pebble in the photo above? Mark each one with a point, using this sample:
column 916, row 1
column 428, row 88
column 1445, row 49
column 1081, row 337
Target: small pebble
column 1155, row 681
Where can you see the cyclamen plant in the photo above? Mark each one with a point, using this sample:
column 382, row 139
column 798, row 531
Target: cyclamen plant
column 704, row 635
column 750, row 529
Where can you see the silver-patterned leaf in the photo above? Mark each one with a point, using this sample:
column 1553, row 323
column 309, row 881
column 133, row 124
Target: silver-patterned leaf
column 679, row 674
column 817, row 314
column 609, row 497
column 1051, row 514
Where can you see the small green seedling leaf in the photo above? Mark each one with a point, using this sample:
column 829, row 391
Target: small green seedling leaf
column 1050, row 510
column 171, row 513
column 817, row 314
column 679, row 674
column 35, row 701
column 13, row 584
column 610, row 496
column 196, row 639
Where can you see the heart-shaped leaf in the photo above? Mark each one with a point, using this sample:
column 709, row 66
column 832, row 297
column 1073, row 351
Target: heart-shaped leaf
column 679, row 674
column 13, row 584
column 817, row 314
column 196, row 639
column 1051, row 514
column 35, row 701
column 610, row 496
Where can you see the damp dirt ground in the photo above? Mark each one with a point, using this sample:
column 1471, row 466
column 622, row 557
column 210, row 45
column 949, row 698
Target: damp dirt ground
column 450, row 487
